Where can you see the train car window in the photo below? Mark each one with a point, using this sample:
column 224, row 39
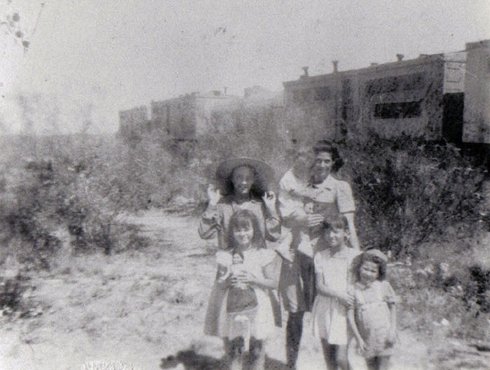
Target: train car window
column 398, row 110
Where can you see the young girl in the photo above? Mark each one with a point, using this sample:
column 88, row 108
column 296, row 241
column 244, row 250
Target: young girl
column 373, row 315
column 333, row 276
column 260, row 272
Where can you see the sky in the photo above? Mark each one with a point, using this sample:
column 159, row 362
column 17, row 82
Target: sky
column 88, row 59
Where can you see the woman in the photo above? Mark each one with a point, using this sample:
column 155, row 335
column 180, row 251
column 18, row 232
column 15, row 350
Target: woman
column 308, row 196
column 242, row 184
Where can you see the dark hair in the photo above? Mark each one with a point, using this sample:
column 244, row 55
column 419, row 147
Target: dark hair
column 367, row 257
column 237, row 252
column 325, row 146
column 336, row 222
column 242, row 217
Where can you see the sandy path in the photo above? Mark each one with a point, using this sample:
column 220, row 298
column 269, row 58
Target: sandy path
column 139, row 307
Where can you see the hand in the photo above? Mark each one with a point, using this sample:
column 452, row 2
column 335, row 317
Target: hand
column 269, row 199
column 214, row 195
column 225, row 281
column 314, row 219
column 346, row 299
column 234, row 281
column 284, row 246
column 245, row 277
column 362, row 345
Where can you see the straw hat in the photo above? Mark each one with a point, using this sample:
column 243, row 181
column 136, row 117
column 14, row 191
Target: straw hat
column 264, row 174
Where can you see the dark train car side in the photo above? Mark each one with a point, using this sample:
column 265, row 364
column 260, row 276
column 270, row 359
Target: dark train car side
column 437, row 97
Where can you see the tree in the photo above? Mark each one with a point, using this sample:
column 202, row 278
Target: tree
column 10, row 23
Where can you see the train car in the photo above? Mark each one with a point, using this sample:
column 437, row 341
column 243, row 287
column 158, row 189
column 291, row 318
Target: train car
column 437, row 97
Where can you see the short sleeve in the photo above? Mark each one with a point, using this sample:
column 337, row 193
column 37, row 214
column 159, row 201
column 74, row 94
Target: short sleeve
column 389, row 295
column 345, row 200
column 266, row 257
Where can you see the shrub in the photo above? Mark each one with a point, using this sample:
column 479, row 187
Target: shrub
column 446, row 288
column 11, row 293
column 409, row 191
column 76, row 188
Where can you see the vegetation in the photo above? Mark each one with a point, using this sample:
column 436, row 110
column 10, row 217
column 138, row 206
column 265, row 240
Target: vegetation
column 421, row 202
column 73, row 190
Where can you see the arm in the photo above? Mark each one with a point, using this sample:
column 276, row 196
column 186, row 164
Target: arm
column 352, row 323
column 271, row 216
column 391, row 300
column 263, row 282
column 346, row 206
column 223, row 274
column 270, row 280
column 292, row 210
column 210, row 222
column 325, row 290
column 354, row 240
column 392, row 333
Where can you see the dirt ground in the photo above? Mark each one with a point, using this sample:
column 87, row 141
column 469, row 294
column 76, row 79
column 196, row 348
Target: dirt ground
column 134, row 309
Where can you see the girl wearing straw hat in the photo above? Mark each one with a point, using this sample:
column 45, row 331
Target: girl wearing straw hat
column 243, row 183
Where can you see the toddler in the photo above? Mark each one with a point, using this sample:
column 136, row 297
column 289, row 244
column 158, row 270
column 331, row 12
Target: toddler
column 373, row 314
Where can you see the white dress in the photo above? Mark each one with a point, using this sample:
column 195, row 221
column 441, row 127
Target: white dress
column 329, row 315
column 373, row 316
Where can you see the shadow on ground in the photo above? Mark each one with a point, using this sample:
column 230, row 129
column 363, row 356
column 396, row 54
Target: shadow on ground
column 194, row 361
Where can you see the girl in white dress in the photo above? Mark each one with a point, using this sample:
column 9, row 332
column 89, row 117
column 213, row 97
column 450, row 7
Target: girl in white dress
column 373, row 315
column 333, row 268
column 259, row 270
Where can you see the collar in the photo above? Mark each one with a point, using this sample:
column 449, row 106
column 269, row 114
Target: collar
column 362, row 286
column 327, row 184
column 342, row 253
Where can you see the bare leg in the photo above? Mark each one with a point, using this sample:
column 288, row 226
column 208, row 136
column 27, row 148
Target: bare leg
column 294, row 331
column 330, row 355
column 372, row 363
column 384, row 362
column 257, row 354
column 335, row 356
column 235, row 353
column 342, row 362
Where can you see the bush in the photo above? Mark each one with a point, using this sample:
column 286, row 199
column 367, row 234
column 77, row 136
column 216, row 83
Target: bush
column 76, row 188
column 445, row 289
column 409, row 191
column 11, row 294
